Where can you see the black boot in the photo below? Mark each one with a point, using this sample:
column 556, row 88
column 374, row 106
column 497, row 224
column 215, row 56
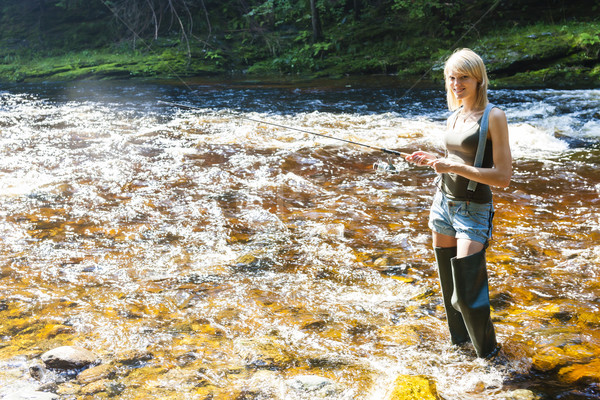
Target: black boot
column 456, row 325
column 471, row 298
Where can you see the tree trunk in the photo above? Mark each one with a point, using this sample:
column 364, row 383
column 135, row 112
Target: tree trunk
column 316, row 22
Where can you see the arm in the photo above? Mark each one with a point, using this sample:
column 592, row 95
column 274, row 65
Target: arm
column 500, row 174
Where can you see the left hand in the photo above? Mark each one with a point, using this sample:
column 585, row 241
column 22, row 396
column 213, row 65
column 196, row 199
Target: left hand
column 442, row 165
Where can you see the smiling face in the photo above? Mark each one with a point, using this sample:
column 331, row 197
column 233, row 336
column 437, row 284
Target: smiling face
column 466, row 80
column 463, row 86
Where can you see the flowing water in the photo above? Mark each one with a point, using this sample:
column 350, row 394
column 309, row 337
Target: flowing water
column 250, row 261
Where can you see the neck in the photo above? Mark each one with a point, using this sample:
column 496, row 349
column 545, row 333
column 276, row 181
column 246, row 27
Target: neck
column 468, row 107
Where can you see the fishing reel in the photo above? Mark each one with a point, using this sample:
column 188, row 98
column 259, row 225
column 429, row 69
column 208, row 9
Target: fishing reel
column 384, row 167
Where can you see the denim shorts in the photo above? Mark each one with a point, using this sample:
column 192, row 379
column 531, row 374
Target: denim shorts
column 461, row 219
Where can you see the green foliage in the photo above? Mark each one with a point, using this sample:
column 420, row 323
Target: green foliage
column 590, row 42
column 67, row 39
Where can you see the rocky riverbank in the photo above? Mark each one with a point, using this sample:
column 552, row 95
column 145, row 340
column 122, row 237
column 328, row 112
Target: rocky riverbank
column 75, row 372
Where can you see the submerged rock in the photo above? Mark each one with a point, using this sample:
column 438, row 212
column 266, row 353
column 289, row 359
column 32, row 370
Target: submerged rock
column 37, row 371
column 413, row 387
column 519, row 394
column 263, row 352
column 69, row 357
column 310, row 383
column 549, row 358
column 581, row 373
column 95, row 387
column 95, row 374
column 134, row 358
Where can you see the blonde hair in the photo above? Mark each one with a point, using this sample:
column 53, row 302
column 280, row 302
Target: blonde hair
column 466, row 62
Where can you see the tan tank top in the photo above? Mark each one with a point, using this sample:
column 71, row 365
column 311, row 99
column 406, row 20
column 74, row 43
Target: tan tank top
column 461, row 147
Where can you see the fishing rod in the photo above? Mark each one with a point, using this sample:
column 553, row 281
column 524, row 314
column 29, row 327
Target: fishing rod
column 387, row 151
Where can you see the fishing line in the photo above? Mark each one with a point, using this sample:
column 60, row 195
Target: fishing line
column 453, row 47
column 388, row 151
column 390, row 166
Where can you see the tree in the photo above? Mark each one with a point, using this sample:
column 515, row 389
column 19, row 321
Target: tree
column 317, row 29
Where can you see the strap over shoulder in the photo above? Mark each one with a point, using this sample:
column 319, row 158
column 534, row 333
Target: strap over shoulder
column 483, row 130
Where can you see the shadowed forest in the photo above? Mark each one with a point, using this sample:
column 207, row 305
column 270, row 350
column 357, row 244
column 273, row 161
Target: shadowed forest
column 526, row 43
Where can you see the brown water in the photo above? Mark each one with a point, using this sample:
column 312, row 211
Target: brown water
column 244, row 256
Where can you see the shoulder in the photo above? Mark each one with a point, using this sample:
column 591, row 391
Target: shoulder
column 498, row 125
column 497, row 114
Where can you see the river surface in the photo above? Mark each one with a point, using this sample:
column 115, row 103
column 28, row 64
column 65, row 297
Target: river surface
column 247, row 260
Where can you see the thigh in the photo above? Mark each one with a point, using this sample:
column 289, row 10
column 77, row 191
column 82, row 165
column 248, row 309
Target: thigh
column 441, row 240
column 466, row 247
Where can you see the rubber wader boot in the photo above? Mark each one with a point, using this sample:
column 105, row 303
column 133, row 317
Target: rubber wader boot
column 456, row 325
column 471, row 297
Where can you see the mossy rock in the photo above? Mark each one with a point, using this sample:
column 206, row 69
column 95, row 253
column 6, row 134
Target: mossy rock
column 414, row 387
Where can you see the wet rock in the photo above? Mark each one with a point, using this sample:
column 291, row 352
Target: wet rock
column 400, row 335
column 69, row 357
column 548, row 359
column 134, row 357
column 37, row 371
column 250, row 264
column 263, row 352
column 579, row 353
column 315, row 326
column 52, row 331
column 97, row 373
column 316, row 386
column 95, row 387
column 411, row 387
column 382, row 261
column 581, row 373
column 262, row 385
column 50, row 387
column 519, row 394
column 68, row 389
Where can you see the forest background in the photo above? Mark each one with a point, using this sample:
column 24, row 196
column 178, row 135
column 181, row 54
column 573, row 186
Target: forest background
column 528, row 43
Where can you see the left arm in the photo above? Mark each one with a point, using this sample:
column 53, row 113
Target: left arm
column 500, row 174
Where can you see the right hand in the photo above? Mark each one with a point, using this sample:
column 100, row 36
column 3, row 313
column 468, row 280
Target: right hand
column 421, row 158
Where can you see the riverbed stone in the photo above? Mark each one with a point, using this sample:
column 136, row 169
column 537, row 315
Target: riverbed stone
column 263, row 384
column 313, row 385
column 37, row 370
column 87, row 376
column 519, row 394
column 69, row 357
column 414, row 387
column 263, row 352
column 549, row 358
column 581, row 373
column 95, row 387
column 134, row 357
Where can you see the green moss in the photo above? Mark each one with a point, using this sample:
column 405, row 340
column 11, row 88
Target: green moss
column 539, row 54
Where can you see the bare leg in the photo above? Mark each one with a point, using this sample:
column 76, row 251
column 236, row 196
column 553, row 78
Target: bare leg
column 440, row 240
column 466, row 247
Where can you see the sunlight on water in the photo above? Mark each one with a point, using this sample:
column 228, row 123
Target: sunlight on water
column 242, row 254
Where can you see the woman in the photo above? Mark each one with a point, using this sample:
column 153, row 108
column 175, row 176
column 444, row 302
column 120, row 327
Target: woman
column 461, row 214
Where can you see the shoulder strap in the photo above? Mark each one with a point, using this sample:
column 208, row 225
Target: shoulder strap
column 483, row 129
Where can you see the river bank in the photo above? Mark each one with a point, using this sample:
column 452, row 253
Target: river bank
column 544, row 56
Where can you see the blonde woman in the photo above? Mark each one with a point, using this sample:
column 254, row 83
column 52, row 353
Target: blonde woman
column 462, row 210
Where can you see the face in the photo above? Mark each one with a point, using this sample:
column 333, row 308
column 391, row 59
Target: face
column 463, row 86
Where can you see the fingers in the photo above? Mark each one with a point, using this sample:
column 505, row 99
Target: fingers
column 420, row 158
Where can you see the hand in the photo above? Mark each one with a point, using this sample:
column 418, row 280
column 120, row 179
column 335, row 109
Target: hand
column 421, row 158
column 441, row 165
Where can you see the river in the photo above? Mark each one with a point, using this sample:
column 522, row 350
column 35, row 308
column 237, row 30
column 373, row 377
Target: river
column 246, row 260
